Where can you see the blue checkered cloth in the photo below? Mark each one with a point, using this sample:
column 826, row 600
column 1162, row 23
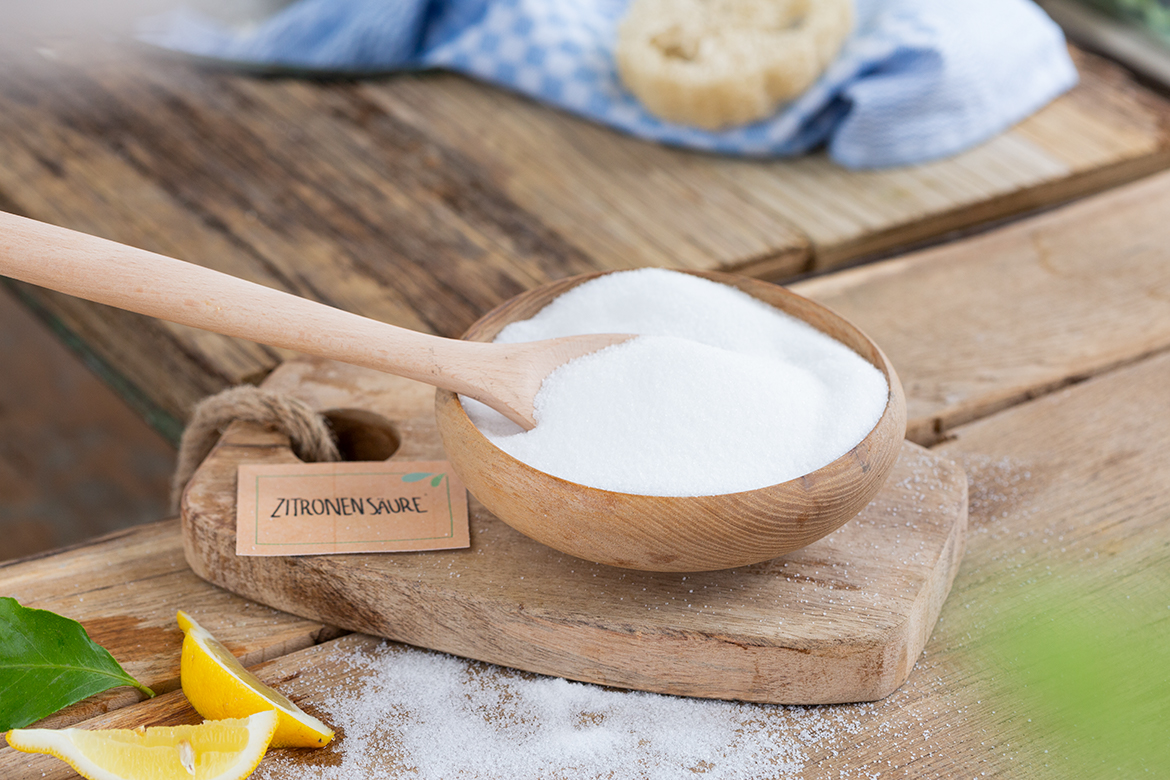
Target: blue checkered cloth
column 917, row 80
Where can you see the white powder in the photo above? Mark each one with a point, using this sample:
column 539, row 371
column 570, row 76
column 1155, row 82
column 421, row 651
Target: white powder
column 429, row 716
column 721, row 393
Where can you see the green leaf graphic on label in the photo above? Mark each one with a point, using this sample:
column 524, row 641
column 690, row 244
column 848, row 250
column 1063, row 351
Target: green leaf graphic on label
column 48, row 662
column 416, row 476
column 438, row 478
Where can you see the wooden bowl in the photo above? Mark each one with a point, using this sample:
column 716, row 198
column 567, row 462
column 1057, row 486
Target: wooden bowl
column 671, row 533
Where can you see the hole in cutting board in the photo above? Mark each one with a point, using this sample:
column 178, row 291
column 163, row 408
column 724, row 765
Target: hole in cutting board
column 362, row 435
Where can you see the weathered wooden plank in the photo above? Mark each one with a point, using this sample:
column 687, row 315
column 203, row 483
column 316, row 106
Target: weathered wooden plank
column 632, row 203
column 125, row 589
column 625, row 202
column 302, row 186
column 298, row 673
column 1092, row 519
column 424, row 200
column 74, row 460
column 1070, row 517
column 983, row 323
column 817, row 627
column 1081, row 322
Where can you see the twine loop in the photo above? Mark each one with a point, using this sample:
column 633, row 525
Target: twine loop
column 308, row 431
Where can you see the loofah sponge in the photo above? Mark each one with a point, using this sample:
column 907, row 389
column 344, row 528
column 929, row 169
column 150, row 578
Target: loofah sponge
column 717, row 63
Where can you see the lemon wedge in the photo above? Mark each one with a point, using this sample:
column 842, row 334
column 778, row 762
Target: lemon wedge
column 215, row 750
column 218, row 686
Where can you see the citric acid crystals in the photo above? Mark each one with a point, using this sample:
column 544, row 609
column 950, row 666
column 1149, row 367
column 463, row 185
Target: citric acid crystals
column 721, row 393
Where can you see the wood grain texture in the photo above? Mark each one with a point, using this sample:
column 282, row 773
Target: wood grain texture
column 1069, row 515
column 673, row 208
column 65, row 439
column 173, row 709
column 986, row 322
column 743, row 633
column 1071, row 483
column 676, row 533
column 424, row 200
column 506, row 377
column 125, row 589
column 354, row 209
column 1090, row 520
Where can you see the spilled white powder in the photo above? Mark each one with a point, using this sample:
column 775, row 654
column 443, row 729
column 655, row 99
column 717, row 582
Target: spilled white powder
column 429, row 716
column 721, row 393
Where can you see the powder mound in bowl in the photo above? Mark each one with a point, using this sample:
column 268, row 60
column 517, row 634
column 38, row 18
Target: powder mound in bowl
column 721, row 393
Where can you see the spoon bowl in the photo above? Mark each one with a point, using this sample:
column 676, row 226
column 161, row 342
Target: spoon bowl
column 676, row 533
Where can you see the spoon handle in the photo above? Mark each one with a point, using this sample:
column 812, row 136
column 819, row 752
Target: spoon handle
column 140, row 281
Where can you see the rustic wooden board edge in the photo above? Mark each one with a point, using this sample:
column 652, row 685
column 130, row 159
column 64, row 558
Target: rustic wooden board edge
column 988, row 215
column 784, row 264
column 1102, row 81
column 1112, row 239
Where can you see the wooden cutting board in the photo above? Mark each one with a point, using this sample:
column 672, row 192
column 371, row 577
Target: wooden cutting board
column 844, row 619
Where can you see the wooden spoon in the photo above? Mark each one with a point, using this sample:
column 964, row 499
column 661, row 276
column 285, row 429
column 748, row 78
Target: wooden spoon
column 506, row 377
column 676, row 533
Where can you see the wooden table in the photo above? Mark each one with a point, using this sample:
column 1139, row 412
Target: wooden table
column 1034, row 353
column 424, row 200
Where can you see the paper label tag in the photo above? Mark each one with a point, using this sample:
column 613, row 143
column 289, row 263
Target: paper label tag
column 324, row 508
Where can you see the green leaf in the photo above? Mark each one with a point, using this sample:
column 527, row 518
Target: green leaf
column 438, row 478
column 415, row 476
column 48, row 662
